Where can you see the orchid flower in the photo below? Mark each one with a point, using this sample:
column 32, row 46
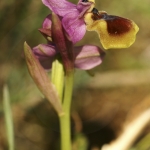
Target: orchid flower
column 59, row 43
column 113, row 31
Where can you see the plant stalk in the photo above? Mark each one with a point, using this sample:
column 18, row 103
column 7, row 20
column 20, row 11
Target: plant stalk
column 65, row 119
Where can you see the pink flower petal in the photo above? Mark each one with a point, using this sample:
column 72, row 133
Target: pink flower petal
column 46, row 54
column 88, row 57
column 47, row 23
column 59, row 7
column 74, row 26
column 72, row 16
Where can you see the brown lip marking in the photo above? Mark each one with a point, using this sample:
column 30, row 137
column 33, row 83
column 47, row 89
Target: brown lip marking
column 84, row 0
column 115, row 25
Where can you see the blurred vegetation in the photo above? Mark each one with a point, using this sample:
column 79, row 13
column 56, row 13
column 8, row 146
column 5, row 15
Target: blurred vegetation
column 19, row 22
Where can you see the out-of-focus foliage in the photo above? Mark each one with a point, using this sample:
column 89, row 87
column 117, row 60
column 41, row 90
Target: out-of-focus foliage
column 143, row 144
column 20, row 21
column 8, row 118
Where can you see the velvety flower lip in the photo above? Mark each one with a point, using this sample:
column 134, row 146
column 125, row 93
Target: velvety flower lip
column 114, row 31
column 72, row 16
column 86, row 57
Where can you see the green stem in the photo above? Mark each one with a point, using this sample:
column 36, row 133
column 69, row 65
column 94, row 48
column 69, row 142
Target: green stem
column 58, row 81
column 58, row 77
column 65, row 132
column 65, row 119
column 68, row 91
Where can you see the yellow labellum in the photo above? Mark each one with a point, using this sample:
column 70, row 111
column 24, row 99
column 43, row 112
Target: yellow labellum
column 92, row 1
column 113, row 31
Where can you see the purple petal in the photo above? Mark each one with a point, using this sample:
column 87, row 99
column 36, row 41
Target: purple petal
column 46, row 28
column 46, row 54
column 59, row 7
column 74, row 26
column 47, row 23
column 88, row 57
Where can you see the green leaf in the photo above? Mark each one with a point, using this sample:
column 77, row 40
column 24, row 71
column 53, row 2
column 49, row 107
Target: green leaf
column 8, row 117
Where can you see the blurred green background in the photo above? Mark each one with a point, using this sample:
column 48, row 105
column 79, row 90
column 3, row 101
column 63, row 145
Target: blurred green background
column 107, row 98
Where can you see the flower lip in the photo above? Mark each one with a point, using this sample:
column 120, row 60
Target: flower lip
column 84, row 0
column 95, row 11
column 119, row 25
column 114, row 31
column 115, row 25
